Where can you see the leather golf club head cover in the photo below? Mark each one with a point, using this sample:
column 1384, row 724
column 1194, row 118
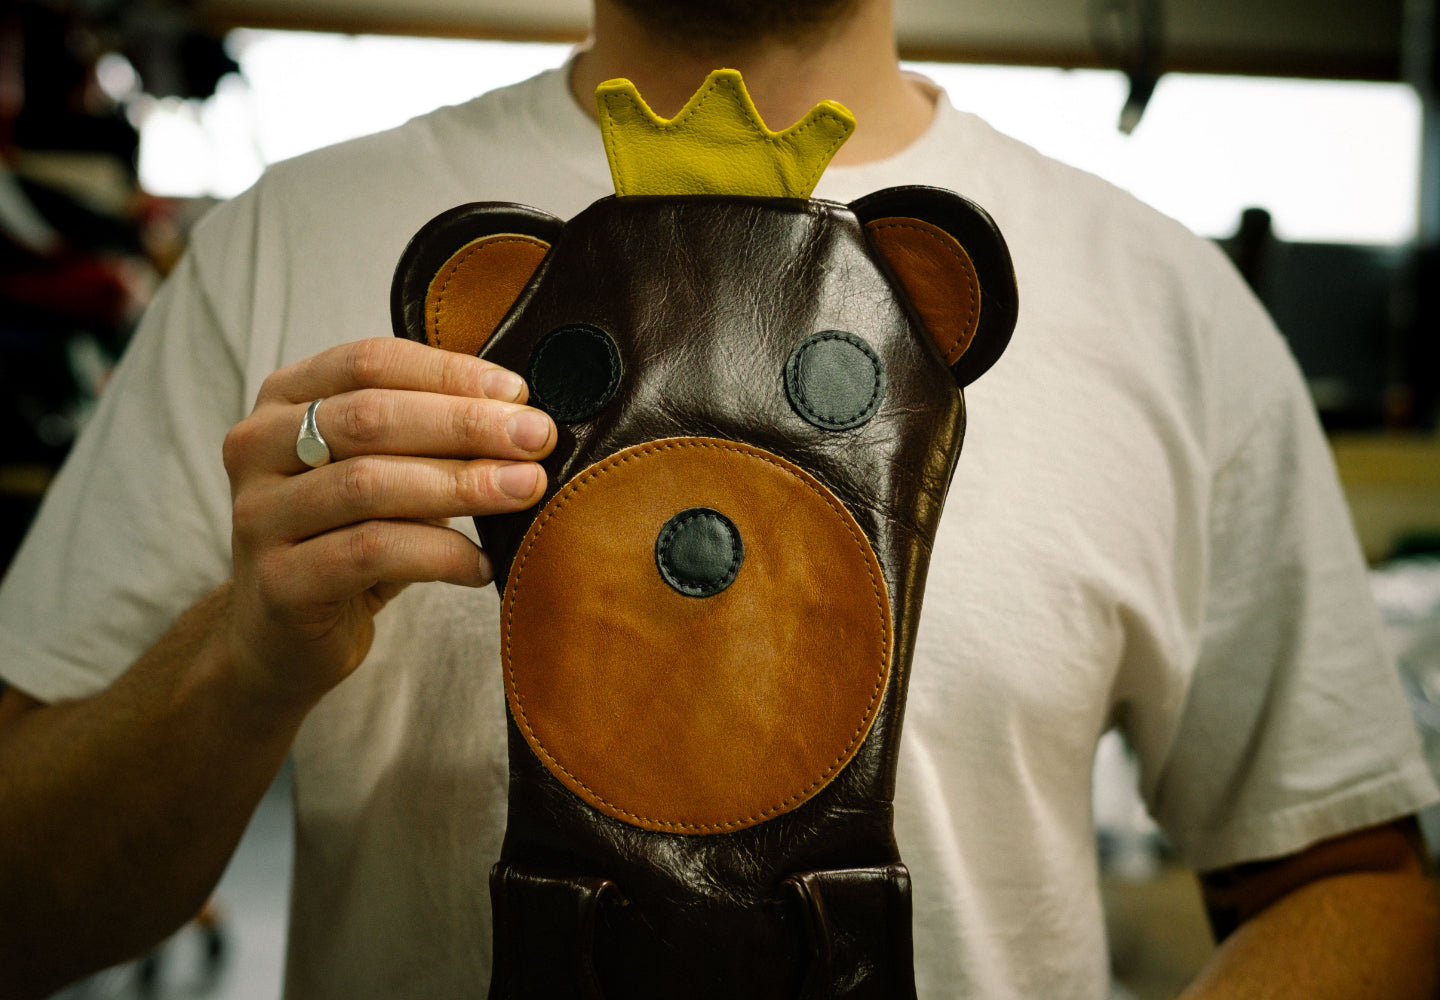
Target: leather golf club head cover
column 707, row 621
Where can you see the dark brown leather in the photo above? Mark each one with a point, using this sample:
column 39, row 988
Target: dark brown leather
column 545, row 925
column 844, row 914
column 708, row 710
column 438, row 243
column 981, row 241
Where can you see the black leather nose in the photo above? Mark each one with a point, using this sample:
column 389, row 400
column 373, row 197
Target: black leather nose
column 699, row 552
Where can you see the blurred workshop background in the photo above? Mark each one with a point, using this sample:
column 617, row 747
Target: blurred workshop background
column 1299, row 134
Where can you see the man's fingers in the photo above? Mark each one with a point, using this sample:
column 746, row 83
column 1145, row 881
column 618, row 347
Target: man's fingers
column 415, row 435
column 383, row 487
column 391, row 363
column 388, row 397
column 389, row 422
column 335, row 567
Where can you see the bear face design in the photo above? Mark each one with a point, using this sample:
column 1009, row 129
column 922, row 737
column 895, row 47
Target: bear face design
column 707, row 621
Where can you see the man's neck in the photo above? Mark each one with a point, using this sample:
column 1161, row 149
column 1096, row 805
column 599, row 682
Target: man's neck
column 853, row 63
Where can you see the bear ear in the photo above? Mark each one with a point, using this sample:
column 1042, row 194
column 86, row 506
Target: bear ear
column 464, row 269
column 952, row 264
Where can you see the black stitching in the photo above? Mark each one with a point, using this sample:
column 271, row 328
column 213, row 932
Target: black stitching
column 574, row 411
column 829, row 420
column 664, row 543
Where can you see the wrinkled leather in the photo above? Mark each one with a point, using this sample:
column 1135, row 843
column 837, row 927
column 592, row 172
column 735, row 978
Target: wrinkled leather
column 844, row 915
column 545, row 931
column 707, row 299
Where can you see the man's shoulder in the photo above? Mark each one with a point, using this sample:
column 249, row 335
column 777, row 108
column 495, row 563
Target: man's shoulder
column 1035, row 199
column 460, row 139
column 373, row 192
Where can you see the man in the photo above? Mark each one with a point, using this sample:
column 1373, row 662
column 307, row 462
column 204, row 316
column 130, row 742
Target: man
column 1143, row 531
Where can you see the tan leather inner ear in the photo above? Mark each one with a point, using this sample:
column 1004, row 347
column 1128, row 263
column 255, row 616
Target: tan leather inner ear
column 938, row 276
column 686, row 714
column 472, row 292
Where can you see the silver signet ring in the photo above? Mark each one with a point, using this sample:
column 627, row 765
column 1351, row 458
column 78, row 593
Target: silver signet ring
column 310, row 446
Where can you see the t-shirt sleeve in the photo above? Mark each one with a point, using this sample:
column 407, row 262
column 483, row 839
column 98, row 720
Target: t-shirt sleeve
column 136, row 526
column 1294, row 727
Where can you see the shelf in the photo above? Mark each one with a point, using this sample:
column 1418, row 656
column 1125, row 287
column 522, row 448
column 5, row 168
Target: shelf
column 1393, row 484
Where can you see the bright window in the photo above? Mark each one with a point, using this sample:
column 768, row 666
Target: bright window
column 1333, row 162
column 304, row 90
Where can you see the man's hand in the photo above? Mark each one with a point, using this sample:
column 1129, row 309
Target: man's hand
column 119, row 812
column 417, row 436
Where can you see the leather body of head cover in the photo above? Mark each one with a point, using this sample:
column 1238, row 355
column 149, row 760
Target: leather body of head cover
column 707, row 622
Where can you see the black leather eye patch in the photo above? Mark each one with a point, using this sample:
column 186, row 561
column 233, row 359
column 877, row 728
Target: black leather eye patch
column 835, row 380
column 573, row 372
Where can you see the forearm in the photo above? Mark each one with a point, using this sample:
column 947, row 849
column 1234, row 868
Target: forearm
column 1350, row 936
column 119, row 813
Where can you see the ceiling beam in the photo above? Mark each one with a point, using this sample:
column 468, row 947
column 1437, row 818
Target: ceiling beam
column 1328, row 39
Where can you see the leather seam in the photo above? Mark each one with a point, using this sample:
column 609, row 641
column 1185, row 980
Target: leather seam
column 867, row 411
column 612, row 354
column 764, row 134
column 691, row 590
column 970, row 282
column 453, row 265
column 834, row 767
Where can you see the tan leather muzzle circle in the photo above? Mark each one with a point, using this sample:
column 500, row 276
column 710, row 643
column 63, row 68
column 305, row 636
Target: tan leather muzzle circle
column 695, row 714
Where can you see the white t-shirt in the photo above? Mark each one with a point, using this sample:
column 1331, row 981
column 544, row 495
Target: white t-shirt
column 1144, row 530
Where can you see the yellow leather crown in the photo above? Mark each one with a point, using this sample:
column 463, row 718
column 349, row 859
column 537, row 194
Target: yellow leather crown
column 717, row 144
